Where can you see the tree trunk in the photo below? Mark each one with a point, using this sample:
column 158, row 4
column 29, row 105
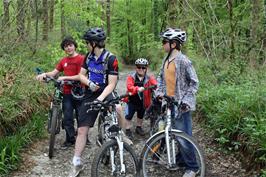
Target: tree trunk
column 232, row 31
column 180, row 13
column 37, row 20
column 143, row 17
column 29, row 15
column 45, row 20
column 129, row 34
column 108, row 18
column 164, row 20
column 21, row 19
column 155, row 19
column 172, row 21
column 264, row 34
column 51, row 15
column 63, row 26
column 254, row 31
column 6, row 23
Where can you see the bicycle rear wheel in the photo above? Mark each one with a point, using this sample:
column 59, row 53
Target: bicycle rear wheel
column 154, row 161
column 101, row 165
column 54, row 122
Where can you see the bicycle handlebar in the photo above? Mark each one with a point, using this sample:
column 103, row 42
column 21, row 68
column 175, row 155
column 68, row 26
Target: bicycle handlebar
column 150, row 87
column 170, row 100
column 57, row 82
column 105, row 104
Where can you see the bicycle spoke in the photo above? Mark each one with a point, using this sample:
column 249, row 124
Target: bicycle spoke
column 101, row 169
column 154, row 156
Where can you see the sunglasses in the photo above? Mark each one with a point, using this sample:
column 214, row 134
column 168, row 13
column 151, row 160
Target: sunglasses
column 139, row 67
column 165, row 41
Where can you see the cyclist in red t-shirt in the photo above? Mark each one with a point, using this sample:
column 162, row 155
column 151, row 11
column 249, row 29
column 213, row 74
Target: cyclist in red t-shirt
column 70, row 66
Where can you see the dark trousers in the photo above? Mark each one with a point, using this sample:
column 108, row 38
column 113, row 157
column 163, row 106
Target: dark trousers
column 69, row 105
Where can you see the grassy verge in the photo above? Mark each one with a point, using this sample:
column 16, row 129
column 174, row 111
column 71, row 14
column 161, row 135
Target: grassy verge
column 11, row 146
column 233, row 104
column 22, row 101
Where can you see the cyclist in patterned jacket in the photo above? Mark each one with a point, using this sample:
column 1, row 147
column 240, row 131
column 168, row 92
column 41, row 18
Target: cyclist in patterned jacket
column 178, row 79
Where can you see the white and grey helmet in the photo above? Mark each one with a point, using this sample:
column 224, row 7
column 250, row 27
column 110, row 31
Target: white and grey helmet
column 142, row 61
column 174, row 34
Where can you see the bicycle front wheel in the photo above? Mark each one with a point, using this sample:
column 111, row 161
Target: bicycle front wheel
column 154, row 128
column 185, row 154
column 54, row 122
column 102, row 162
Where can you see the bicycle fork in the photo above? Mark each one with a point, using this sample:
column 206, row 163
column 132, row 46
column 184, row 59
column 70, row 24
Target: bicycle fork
column 121, row 156
column 169, row 147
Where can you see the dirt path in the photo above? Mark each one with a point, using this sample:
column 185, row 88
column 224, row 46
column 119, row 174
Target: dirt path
column 35, row 162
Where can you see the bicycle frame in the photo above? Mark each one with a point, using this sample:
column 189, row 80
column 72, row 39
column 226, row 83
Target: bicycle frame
column 168, row 128
column 109, row 128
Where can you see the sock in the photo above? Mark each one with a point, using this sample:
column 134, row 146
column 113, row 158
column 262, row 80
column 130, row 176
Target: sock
column 76, row 161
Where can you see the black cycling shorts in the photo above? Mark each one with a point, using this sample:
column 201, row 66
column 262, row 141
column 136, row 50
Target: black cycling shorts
column 132, row 108
column 88, row 118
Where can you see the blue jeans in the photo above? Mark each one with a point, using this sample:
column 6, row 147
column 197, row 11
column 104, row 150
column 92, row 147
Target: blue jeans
column 186, row 156
column 69, row 105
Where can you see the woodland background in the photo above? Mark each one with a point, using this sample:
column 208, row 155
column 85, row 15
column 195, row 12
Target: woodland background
column 226, row 42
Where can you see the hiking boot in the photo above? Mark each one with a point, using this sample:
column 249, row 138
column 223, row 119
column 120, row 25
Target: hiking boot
column 139, row 131
column 129, row 134
column 189, row 173
column 76, row 170
column 67, row 144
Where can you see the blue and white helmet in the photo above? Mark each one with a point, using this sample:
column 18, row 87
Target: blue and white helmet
column 142, row 61
column 174, row 34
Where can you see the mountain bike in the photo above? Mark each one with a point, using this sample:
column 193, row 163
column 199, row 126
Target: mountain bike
column 162, row 150
column 115, row 157
column 153, row 113
column 55, row 113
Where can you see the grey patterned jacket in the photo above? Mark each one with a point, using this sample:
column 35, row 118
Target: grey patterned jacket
column 187, row 82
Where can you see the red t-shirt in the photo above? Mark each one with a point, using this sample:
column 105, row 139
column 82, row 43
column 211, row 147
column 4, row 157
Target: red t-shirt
column 70, row 66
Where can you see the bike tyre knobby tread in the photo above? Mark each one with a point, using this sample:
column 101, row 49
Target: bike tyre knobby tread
column 103, row 149
column 156, row 137
column 54, row 122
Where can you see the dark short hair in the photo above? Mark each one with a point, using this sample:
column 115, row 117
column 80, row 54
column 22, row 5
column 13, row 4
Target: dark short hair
column 68, row 40
column 178, row 44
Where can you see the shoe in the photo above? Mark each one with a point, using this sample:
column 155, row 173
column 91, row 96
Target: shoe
column 126, row 139
column 67, row 144
column 129, row 134
column 189, row 173
column 76, row 170
column 139, row 131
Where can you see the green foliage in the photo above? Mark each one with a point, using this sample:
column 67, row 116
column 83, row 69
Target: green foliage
column 235, row 107
column 132, row 21
column 11, row 146
column 80, row 15
column 21, row 94
column 231, row 96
